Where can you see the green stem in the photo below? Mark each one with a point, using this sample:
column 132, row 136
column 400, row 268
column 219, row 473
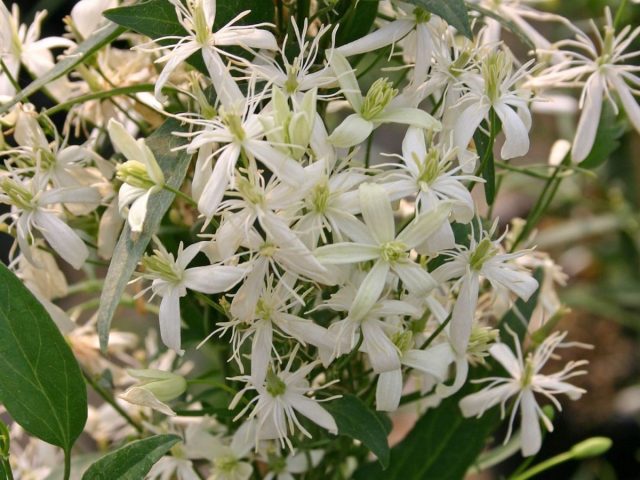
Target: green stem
column 521, row 170
column 146, row 87
column 367, row 158
column 67, row 464
column 181, row 194
column 547, row 464
column 106, row 396
column 12, row 80
column 619, row 13
column 436, row 332
column 543, row 202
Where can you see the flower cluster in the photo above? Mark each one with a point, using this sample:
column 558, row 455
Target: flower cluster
column 328, row 269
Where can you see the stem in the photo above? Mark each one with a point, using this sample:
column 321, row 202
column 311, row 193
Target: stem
column 67, row 464
column 619, row 12
column 437, row 331
column 106, row 396
column 541, row 467
column 12, row 80
column 182, row 195
column 147, row 87
column 367, row 159
column 545, row 198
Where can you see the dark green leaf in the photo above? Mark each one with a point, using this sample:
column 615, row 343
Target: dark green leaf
column 484, row 145
column 356, row 420
column 41, row 384
column 454, row 12
column 443, row 444
column 129, row 250
column 357, row 22
column 133, row 461
column 78, row 55
column 607, row 138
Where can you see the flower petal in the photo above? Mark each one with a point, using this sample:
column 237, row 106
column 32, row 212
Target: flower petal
column 376, row 211
column 389, row 391
column 353, row 130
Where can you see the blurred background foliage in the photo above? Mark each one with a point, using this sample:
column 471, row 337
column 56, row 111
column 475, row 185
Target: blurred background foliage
column 592, row 230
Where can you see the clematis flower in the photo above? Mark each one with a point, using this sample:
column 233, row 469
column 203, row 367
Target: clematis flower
column 415, row 25
column 376, row 241
column 171, row 278
column 279, row 399
column 33, row 208
column 20, row 44
column 427, row 174
column 141, row 174
column 606, row 68
column 197, row 17
column 482, row 259
column 371, row 110
column 524, row 381
column 494, row 89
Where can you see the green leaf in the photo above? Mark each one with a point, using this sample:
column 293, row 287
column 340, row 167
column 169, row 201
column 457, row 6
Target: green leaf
column 129, row 250
column 484, row 145
column 41, row 384
column 357, row 22
column 443, row 444
column 78, row 55
column 607, row 141
column 133, row 461
column 454, row 12
column 356, row 420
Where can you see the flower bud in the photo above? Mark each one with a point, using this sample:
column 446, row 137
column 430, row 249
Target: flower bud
column 155, row 388
column 591, row 447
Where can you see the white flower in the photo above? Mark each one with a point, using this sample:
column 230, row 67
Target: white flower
column 280, row 398
column 494, row 89
column 295, row 77
column 197, row 17
column 32, row 208
column 418, row 28
column 171, row 279
column 433, row 361
column 19, row 44
column 227, row 456
column 376, row 240
column 141, row 173
column 428, row 175
column 371, row 110
column 481, row 259
column 525, row 380
column 296, row 463
column 87, row 15
column 607, row 69
column 240, row 135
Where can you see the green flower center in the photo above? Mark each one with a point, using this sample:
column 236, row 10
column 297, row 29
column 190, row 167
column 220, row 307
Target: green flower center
column 320, row 197
column 160, row 267
column 249, row 191
column 226, row 463
column 378, row 97
column 403, row 340
column 393, row 251
column 483, row 252
column 422, row 16
column 275, row 385
column 18, row 195
column 234, row 123
column 494, row 71
column 135, row 174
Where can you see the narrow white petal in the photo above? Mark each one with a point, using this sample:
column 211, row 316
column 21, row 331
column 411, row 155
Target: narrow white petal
column 313, row 411
column 463, row 313
column 531, row 437
column 415, row 278
column 123, row 141
column 503, row 354
column 381, row 37
column 424, row 226
column 353, row 130
column 377, row 212
column 369, row 290
column 347, row 79
column 516, row 142
column 169, row 316
column 409, row 116
column 479, row 402
column 212, row 278
column 261, row 346
column 389, row 391
column 218, row 181
column 382, row 353
column 346, row 253
column 138, row 212
column 589, row 119
column 62, row 238
column 283, row 166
